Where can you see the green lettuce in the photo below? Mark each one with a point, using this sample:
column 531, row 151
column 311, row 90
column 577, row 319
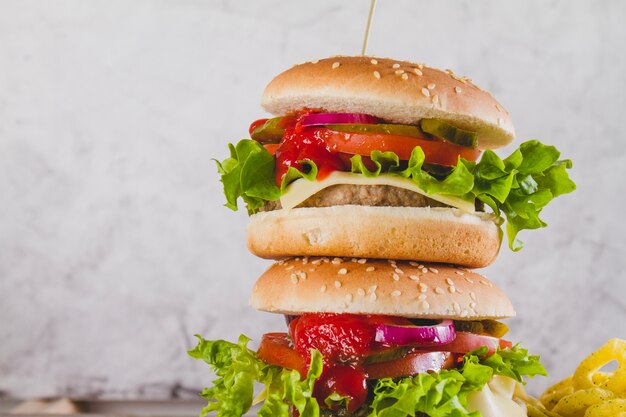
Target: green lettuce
column 442, row 394
column 521, row 185
column 445, row 393
column 237, row 369
column 516, row 188
column 248, row 173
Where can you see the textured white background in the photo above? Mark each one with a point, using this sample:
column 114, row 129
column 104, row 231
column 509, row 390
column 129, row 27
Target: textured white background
column 114, row 245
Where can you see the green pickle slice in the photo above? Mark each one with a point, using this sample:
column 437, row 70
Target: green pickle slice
column 446, row 131
column 390, row 129
column 387, row 355
column 488, row 327
column 269, row 132
column 495, row 328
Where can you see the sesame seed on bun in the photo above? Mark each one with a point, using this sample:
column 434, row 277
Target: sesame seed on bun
column 375, row 286
column 396, row 91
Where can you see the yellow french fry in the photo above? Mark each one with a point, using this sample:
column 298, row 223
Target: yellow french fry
column 575, row 404
column 590, row 392
column 557, row 391
column 609, row 408
column 536, row 411
column 613, row 350
column 599, row 378
column 550, row 399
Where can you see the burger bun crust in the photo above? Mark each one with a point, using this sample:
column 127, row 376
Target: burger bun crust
column 395, row 288
column 427, row 234
column 395, row 91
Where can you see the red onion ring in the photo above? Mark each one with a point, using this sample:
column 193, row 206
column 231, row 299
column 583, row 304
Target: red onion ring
column 316, row 119
column 438, row 334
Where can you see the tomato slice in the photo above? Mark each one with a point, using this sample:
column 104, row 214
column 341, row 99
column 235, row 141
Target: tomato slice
column 271, row 147
column 436, row 151
column 275, row 349
column 466, row 342
column 411, row 364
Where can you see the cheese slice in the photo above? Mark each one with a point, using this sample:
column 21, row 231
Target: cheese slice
column 301, row 189
column 496, row 399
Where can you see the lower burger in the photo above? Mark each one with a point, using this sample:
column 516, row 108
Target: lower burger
column 373, row 338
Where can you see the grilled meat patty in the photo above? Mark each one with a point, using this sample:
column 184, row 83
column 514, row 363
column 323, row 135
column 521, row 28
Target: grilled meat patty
column 363, row 195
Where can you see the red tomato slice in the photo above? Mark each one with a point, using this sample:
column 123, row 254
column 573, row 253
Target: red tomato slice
column 275, row 349
column 436, row 151
column 466, row 342
column 271, row 147
column 411, row 364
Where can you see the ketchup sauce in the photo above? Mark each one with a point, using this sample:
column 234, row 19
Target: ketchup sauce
column 338, row 337
column 300, row 144
column 344, row 340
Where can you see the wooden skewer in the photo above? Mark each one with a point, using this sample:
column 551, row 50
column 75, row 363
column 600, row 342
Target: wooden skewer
column 367, row 28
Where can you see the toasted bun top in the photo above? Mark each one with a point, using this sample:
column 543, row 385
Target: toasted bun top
column 396, row 91
column 398, row 288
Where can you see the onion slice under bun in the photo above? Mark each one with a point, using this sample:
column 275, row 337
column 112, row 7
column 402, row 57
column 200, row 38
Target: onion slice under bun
column 438, row 334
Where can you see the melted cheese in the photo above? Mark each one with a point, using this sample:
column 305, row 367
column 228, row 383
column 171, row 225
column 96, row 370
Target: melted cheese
column 496, row 399
column 301, row 189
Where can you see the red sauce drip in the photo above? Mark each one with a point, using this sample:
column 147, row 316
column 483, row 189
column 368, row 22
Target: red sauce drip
column 300, row 143
column 343, row 340
column 256, row 124
column 338, row 337
column 346, row 380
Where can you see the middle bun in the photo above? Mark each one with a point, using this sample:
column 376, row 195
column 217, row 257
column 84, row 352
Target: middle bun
column 395, row 288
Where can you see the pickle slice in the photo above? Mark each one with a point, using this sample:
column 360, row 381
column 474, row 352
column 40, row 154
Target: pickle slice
column 446, row 131
column 391, row 129
column 387, row 355
column 269, row 132
column 495, row 328
column 475, row 327
column 487, row 327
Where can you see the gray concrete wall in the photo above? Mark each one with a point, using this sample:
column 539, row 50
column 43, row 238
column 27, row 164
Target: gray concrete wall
column 114, row 245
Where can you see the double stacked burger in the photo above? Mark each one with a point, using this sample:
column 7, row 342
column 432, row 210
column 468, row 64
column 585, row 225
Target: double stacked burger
column 375, row 188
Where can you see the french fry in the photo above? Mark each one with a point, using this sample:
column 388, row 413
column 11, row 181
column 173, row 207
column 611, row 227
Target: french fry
column 534, row 408
column 613, row 408
column 613, row 350
column 557, row 391
column 589, row 392
column 575, row 404
column 536, row 411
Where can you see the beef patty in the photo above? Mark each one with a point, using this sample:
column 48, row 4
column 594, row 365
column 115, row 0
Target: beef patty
column 362, row 195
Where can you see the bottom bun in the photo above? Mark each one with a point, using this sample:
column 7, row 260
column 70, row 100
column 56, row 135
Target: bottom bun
column 427, row 234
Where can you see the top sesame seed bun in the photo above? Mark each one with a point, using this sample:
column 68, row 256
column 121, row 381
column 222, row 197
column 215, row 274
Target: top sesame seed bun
column 395, row 288
column 396, row 91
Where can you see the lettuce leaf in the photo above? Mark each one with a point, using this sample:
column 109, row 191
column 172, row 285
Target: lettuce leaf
column 442, row 394
column 515, row 362
column 237, row 369
column 248, row 173
column 516, row 188
column 521, row 185
column 445, row 393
